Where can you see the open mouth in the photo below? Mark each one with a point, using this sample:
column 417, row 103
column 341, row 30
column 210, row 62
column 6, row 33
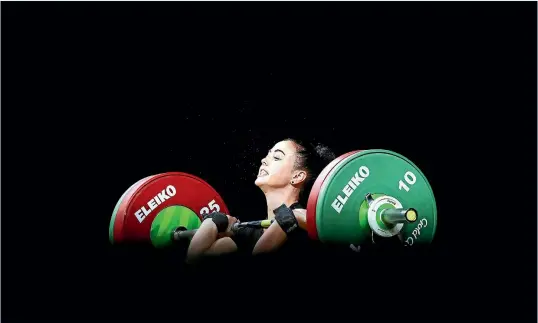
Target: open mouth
column 262, row 173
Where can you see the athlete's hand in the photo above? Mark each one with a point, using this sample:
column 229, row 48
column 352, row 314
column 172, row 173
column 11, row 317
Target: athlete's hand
column 231, row 221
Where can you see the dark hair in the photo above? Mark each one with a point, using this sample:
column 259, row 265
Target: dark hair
column 312, row 158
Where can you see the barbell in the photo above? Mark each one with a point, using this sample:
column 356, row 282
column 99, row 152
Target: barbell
column 358, row 194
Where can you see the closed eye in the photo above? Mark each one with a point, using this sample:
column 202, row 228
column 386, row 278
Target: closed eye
column 277, row 154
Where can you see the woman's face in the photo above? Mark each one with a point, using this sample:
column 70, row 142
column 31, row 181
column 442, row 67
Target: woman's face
column 277, row 169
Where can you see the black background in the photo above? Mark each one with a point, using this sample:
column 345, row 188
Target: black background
column 99, row 95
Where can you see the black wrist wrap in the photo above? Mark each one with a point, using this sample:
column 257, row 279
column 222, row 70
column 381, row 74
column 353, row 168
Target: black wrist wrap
column 220, row 219
column 286, row 219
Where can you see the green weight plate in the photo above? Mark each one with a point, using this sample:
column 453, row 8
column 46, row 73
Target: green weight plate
column 341, row 211
column 167, row 220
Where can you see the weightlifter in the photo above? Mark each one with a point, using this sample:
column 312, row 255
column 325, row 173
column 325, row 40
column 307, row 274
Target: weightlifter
column 286, row 174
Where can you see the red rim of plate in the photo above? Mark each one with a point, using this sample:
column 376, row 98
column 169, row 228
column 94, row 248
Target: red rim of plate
column 119, row 217
column 311, row 226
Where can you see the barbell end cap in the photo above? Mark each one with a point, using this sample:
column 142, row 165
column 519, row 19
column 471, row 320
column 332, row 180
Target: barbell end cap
column 411, row 215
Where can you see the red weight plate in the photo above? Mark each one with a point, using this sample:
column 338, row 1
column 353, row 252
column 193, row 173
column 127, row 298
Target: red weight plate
column 162, row 191
column 311, row 226
column 119, row 215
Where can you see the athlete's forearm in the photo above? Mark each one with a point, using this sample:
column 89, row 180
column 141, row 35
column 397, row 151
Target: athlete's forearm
column 272, row 239
column 202, row 240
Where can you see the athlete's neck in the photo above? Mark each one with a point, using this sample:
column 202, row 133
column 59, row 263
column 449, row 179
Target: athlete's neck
column 278, row 197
